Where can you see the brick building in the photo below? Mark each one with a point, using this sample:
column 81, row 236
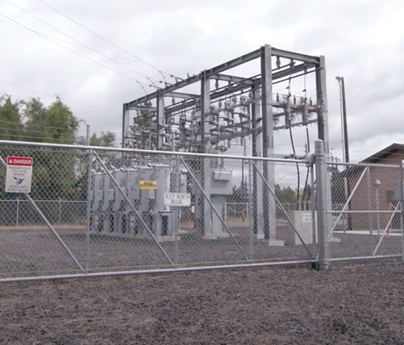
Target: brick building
column 376, row 189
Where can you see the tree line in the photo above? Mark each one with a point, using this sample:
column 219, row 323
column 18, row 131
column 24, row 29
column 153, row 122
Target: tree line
column 58, row 173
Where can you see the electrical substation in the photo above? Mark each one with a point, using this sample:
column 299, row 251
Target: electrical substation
column 225, row 108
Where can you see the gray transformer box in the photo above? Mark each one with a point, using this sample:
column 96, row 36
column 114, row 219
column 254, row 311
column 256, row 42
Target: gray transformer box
column 98, row 191
column 146, row 174
column 118, row 199
column 108, row 193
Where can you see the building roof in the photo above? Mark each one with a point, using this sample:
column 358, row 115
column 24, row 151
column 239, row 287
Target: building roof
column 385, row 153
column 375, row 158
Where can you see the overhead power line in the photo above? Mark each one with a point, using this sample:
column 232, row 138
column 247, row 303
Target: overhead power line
column 107, row 41
column 72, row 43
column 74, row 52
column 83, row 44
column 48, row 94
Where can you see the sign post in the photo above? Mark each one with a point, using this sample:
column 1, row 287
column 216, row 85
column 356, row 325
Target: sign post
column 18, row 174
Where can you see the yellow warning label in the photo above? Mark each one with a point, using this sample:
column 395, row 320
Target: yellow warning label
column 148, row 184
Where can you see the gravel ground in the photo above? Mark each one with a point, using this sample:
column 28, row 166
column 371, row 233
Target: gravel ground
column 35, row 252
column 346, row 305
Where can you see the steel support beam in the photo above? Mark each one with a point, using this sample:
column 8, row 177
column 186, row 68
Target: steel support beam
column 247, row 83
column 323, row 131
column 268, row 143
column 168, row 89
column 160, row 121
column 226, row 66
column 125, row 124
column 208, row 231
column 295, row 56
column 257, row 210
column 232, row 78
column 183, row 95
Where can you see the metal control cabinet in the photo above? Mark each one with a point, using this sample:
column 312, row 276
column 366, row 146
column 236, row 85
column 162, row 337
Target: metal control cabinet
column 111, row 213
column 221, row 187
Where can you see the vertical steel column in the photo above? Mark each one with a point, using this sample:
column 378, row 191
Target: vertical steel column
column 89, row 182
column 257, row 216
column 208, row 230
column 322, row 122
column 125, row 124
column 321, row 193
column 268, row 142
column 160, row 120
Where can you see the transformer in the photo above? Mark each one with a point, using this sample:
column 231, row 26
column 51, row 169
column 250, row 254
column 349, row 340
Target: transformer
column 145, row 186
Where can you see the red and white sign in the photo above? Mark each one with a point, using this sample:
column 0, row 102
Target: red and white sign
column 19, row 175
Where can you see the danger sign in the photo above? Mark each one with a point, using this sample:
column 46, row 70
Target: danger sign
column 19, row 175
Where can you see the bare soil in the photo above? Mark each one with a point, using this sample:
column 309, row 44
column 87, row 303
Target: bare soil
column 345, row 305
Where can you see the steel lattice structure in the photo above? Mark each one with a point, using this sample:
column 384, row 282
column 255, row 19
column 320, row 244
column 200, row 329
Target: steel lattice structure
column 207, row 121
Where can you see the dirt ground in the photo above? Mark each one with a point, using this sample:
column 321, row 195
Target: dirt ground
column 345, row 305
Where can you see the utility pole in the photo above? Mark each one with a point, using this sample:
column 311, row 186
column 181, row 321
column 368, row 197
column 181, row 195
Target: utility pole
column 344, row 124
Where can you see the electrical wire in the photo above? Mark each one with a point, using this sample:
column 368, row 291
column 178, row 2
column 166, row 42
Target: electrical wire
column 72, row 43
column 74, row 52
column 83, row 44
column 47, row 94
column 289, row 87
column 308, row 168
column 297, row 164
column 107, row 41
column 308, row 144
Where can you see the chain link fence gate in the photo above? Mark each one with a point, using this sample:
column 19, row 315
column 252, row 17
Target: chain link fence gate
column 105, row 211
column 367, row 213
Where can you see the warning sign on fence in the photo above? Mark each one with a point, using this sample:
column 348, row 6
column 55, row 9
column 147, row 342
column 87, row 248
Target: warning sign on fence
column 18, row 175
column 148, row 185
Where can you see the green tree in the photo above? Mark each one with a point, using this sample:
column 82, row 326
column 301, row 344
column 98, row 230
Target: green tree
column 53, row 124
column 54, row 169
column 286, row 195
column 11, row 127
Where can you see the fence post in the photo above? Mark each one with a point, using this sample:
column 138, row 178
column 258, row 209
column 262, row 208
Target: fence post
column 402, row 209
column 17, row 223
column 321, row 191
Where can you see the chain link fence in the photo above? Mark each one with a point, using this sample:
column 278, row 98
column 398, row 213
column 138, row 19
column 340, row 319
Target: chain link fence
column 93, row 210
column 368, row 223
column 107, row 211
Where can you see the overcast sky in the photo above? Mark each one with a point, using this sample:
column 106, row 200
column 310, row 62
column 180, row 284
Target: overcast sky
column 360, row 39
